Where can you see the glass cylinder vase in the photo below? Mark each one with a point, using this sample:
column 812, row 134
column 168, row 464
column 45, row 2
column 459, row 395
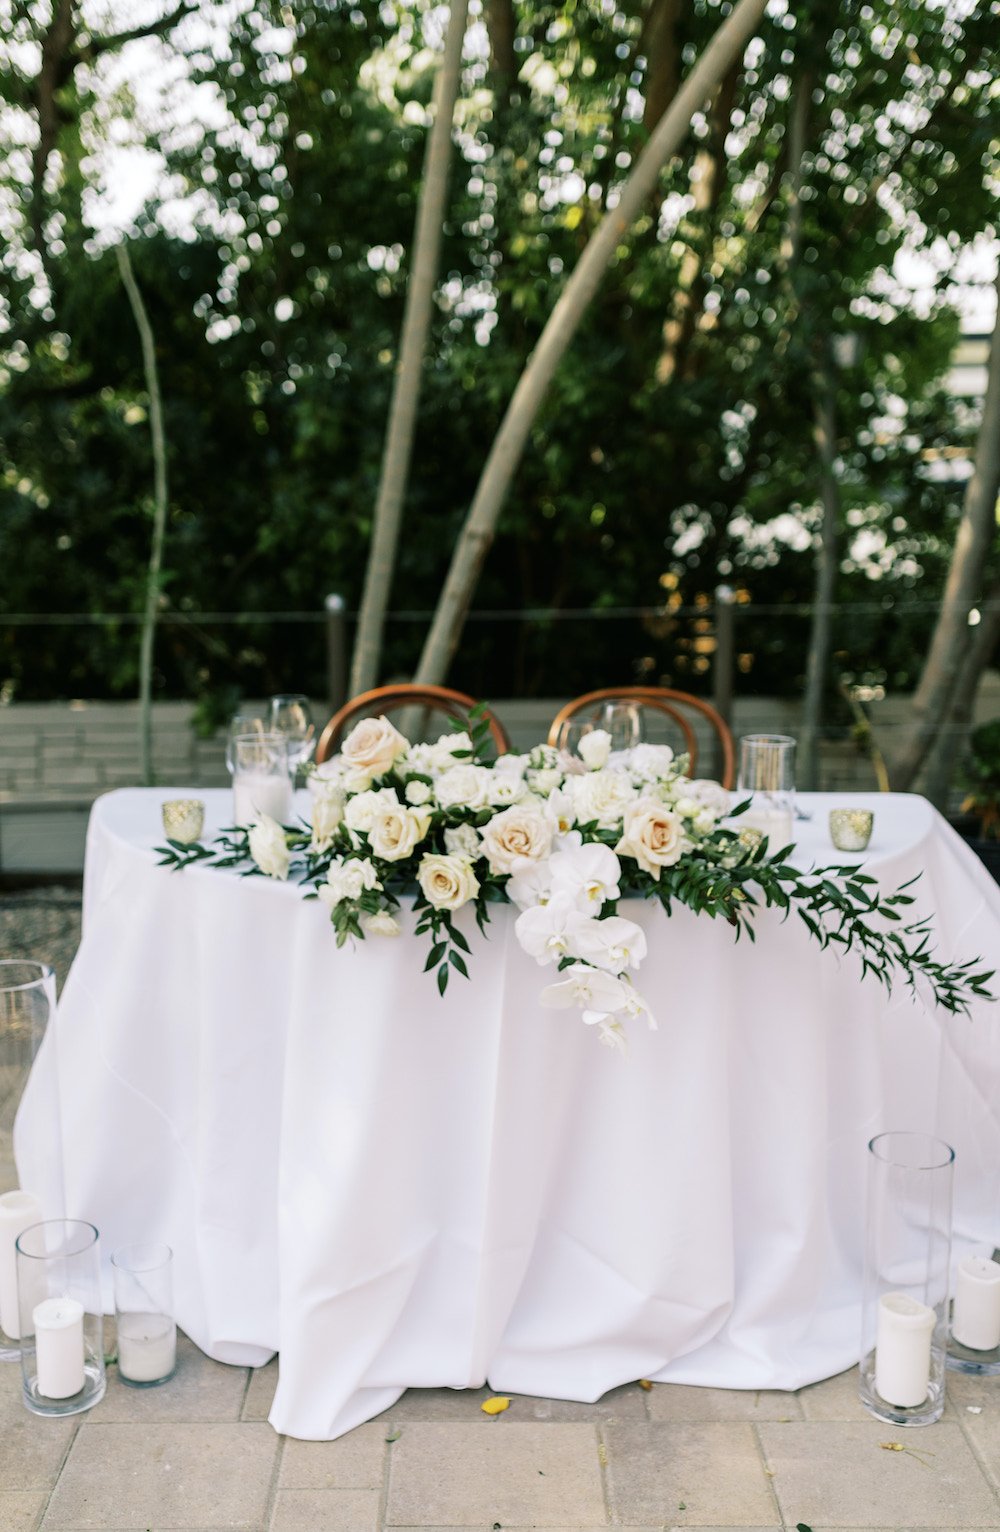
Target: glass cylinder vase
column 767, row 776
column 262, row 782
column 61, row 1316
column 144, row 1314
column 974, row 1335
column 904, row 1325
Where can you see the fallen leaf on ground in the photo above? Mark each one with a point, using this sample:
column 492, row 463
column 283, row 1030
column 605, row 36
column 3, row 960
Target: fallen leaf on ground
column 645, row 1383
column 393, row 1436
column 496, row 1405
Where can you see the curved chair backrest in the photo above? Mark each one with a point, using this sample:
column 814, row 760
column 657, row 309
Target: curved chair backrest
column 662, row 699
column 387, row 699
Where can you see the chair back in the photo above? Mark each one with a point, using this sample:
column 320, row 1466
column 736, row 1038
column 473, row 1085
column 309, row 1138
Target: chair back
column 663, row 700
column 388, row 699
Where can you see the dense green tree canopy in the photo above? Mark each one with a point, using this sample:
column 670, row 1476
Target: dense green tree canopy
column 676, row 447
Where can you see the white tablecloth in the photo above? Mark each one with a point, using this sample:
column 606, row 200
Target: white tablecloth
column 393, row 1189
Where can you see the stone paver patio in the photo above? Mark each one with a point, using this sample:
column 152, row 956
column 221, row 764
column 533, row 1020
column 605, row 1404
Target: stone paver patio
column 197, row 1454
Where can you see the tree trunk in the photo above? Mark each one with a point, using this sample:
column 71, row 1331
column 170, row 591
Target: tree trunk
column 502, row 29
column 951, row 635
column 159, row 512
column 480, row 525
column 658, row 41
column 824, row 585
column 406, row 387
column 942, row 758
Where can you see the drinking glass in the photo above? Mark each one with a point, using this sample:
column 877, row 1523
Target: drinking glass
column 290, row 716
column 241, row 724
column 262, row 782
column 622, row 721
column 767, row 774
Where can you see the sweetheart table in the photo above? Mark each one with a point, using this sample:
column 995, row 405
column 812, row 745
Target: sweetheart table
column 394, row 1189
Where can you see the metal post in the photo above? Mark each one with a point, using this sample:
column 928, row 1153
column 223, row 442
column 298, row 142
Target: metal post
column 336, row 652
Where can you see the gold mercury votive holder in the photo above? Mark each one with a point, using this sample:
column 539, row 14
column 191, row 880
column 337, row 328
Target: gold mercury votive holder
column 183, row 819
column 851, row 829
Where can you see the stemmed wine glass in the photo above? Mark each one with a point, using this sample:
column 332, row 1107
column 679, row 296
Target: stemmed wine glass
column 290, row 716
column 621, row 720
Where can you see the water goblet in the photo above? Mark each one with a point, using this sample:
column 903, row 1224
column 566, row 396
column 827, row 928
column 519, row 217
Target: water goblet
column 291, row 716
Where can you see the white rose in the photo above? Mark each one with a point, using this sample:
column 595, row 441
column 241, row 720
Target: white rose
column 704, row 821
column 451, row 744
column 380, row 924
column 462, row 840
column 463, row 787
column 359, row 812
column 651, row 763
column 348, row 880
column 269, row 848
column 652, row 834
column 373, row 746
column 448, row 882
column 505, row 788
column 417, row 792
column 511, row 765
column 396, row 831
column 327, row 813
column 602, row 796
column 328, row 778
column 594, row 748
column 520, row 831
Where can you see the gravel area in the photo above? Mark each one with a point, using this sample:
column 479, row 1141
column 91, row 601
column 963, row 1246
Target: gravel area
column 42, row 924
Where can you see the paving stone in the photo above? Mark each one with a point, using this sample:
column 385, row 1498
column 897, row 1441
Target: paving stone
column 166, row 1475
column 20, row 1509
column 438, row 1405
column 688, row 1474
column 465, row 1404
column 836, row 1474
column 676, row 1401
column 983, row 1431
column 260, row 1391
column 200, row 1389
column 31, row 1448
column 531, row 1475
column 837, row 1399
column 354, row 1461
column 326, row 1510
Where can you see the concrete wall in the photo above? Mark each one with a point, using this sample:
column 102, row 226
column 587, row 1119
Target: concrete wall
column 56, row 758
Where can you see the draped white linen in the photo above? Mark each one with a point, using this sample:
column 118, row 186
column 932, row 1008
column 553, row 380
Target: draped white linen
column 397, row 1190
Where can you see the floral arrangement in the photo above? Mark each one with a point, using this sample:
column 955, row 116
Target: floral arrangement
column 564, row 839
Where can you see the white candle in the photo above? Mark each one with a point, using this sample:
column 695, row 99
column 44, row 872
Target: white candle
column 59, row 1350
column 975, row 1320
column 256, row 795
column 776, row 824
column 903, row 1350
column 147, row 1347
column 18, row 1211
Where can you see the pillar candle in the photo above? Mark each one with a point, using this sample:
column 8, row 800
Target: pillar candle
column 975, row 1320
column 147, row 1347
column 903, row 1350
column 18, row 1211
column 257, row 795
column 59, row 1351
column 775, row 823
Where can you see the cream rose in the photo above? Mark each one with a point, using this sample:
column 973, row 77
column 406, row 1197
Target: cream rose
column 652, row 834
column 373, row 746
column 269, row 848
column 417, row 792
column 396, row 831
column 359, row 813
column 448, row 882
column 380, row 924
column 521, row 831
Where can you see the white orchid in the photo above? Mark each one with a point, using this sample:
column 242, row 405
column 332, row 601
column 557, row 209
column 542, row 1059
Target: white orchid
column 530, row 883
column 587, row 875
column 548, row 932
column 613, row 944
column 589, row 988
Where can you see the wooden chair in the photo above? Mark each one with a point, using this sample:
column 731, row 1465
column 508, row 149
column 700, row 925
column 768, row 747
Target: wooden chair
column 661, row 699
column 387, row 699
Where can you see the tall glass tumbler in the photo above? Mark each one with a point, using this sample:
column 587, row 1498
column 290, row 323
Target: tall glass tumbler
column 62, row 1316
column 27, row 1004
column 767, row 776
column 904, row 1325
column 262, row 782
column 144, row 1313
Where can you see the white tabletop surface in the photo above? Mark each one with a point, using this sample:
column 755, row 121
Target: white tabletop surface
column 394, row 1190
